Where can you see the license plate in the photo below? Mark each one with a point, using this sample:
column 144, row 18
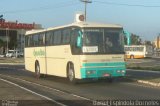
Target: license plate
column 106, row 75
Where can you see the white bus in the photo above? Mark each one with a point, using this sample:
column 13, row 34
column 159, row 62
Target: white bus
column 76, row 51
column 138, row 51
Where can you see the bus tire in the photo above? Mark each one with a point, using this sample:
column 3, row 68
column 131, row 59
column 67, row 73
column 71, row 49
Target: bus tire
column 71, row 73
column 132, row 57
column 37, row 70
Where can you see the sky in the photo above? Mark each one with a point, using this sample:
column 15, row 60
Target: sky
column 141, row 17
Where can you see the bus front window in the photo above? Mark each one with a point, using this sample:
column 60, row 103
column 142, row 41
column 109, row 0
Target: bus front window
column 102, row 41
column 92, row 41
column 114, row 42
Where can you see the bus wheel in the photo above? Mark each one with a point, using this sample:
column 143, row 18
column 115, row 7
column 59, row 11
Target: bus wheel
column 71, row 74
column 132, row 57
column 37, row 70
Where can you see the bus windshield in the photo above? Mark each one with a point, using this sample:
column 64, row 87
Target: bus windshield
column 103, row 41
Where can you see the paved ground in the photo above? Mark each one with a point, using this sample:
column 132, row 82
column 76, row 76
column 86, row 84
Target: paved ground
column 123, row 86
column 11, row 95
column 151, row 76
column 140, row 69
column 61, row 90
column 148, row 63
column 11, row 92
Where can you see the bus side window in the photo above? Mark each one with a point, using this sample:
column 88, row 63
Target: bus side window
column 66, row 36
column 35, row 40
column 41, row 39
column 57, row 37
column 49, row 36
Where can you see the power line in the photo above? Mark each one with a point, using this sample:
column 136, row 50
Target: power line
column 56, row 6
column 124, row 4
column 72, row 3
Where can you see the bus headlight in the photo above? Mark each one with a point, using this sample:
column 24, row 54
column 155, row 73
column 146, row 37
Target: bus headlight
column 123, row 71
column 120, row 71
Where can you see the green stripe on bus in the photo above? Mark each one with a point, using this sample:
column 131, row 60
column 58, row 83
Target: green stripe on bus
column 104, row 64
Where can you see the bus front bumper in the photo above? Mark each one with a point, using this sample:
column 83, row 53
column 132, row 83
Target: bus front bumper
column 101, row 72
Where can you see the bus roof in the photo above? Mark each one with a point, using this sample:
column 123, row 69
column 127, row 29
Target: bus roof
column 80, row 24
column 91, row 24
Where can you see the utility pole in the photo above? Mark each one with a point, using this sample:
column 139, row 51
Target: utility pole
column 85, row 2
column 7, row 34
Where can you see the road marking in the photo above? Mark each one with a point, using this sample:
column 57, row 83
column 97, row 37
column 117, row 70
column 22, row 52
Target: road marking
column 47, row 87
column 32, row 92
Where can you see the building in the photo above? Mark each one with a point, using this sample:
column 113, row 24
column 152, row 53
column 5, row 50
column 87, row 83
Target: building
column 12, row 35
column 157, row 42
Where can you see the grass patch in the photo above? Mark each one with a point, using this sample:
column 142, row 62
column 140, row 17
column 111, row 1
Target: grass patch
column 11, row 60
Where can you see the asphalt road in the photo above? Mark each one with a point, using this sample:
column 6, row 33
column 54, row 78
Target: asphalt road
column 59, row 89
column 140, row 74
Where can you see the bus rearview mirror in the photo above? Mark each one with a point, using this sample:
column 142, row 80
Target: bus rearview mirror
column 79, row 39
column 79, row 42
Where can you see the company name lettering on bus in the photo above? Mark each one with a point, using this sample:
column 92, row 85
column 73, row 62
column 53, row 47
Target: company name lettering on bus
column 39, row 53
column 93, row 30
column 66, row 50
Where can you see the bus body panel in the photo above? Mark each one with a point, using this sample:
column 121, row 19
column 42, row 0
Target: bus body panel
column 53, row 57
column 136, row 55
column 97, row 66
column 58, row 58
column 35, row 54
column 29, row 59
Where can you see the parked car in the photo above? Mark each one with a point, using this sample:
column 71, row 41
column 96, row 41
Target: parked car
column 14, row 53
column 2, row 55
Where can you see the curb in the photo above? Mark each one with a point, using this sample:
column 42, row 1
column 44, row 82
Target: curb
column 145, row 82
column 149, row 83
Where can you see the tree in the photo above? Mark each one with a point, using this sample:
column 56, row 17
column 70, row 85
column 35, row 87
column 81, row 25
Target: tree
column 147, row 42
column 135, row 39
column 1, row 43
